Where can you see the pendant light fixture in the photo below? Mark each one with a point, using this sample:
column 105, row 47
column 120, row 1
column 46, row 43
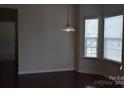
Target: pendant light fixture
column 68, row 27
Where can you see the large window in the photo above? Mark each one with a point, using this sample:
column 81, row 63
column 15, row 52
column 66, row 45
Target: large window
column 113, row 28
column 91, row 37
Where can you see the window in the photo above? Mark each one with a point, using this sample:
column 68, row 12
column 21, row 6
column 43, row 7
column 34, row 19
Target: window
column 113, row 28
column 91, row 37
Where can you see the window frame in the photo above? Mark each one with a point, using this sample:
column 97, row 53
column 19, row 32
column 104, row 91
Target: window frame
column 108, row 16
column 83, row 38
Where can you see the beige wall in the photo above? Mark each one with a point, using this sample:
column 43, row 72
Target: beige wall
column 43, row 47
column 96, row 66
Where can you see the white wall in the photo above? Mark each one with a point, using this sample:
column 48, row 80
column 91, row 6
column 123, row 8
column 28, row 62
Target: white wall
column 95, row 66
column 43, row 47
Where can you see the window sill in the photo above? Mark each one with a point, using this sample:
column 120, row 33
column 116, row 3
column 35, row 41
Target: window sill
column 104, row 59
column 94, row 58
column 111, row 61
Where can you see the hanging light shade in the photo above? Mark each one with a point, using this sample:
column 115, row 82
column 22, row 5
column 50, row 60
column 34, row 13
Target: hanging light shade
column 68, row 27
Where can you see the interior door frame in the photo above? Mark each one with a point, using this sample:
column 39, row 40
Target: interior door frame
column 11, row 15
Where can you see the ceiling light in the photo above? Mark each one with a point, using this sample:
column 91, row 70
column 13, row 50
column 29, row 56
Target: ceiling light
column 68, row 27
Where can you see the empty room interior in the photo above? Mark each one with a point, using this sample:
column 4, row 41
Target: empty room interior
column 61, row 45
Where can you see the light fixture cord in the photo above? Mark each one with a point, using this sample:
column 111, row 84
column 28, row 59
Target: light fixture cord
column 67, row 14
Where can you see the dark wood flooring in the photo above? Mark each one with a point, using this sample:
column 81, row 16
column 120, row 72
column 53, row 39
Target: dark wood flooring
column 8, row 76
column 69, row 79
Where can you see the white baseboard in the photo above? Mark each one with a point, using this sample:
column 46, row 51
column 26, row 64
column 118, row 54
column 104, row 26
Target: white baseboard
column 44, row 71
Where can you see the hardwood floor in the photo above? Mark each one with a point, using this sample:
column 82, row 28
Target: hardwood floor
column 69, row 79
column 47, row 80
column 7, row 74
